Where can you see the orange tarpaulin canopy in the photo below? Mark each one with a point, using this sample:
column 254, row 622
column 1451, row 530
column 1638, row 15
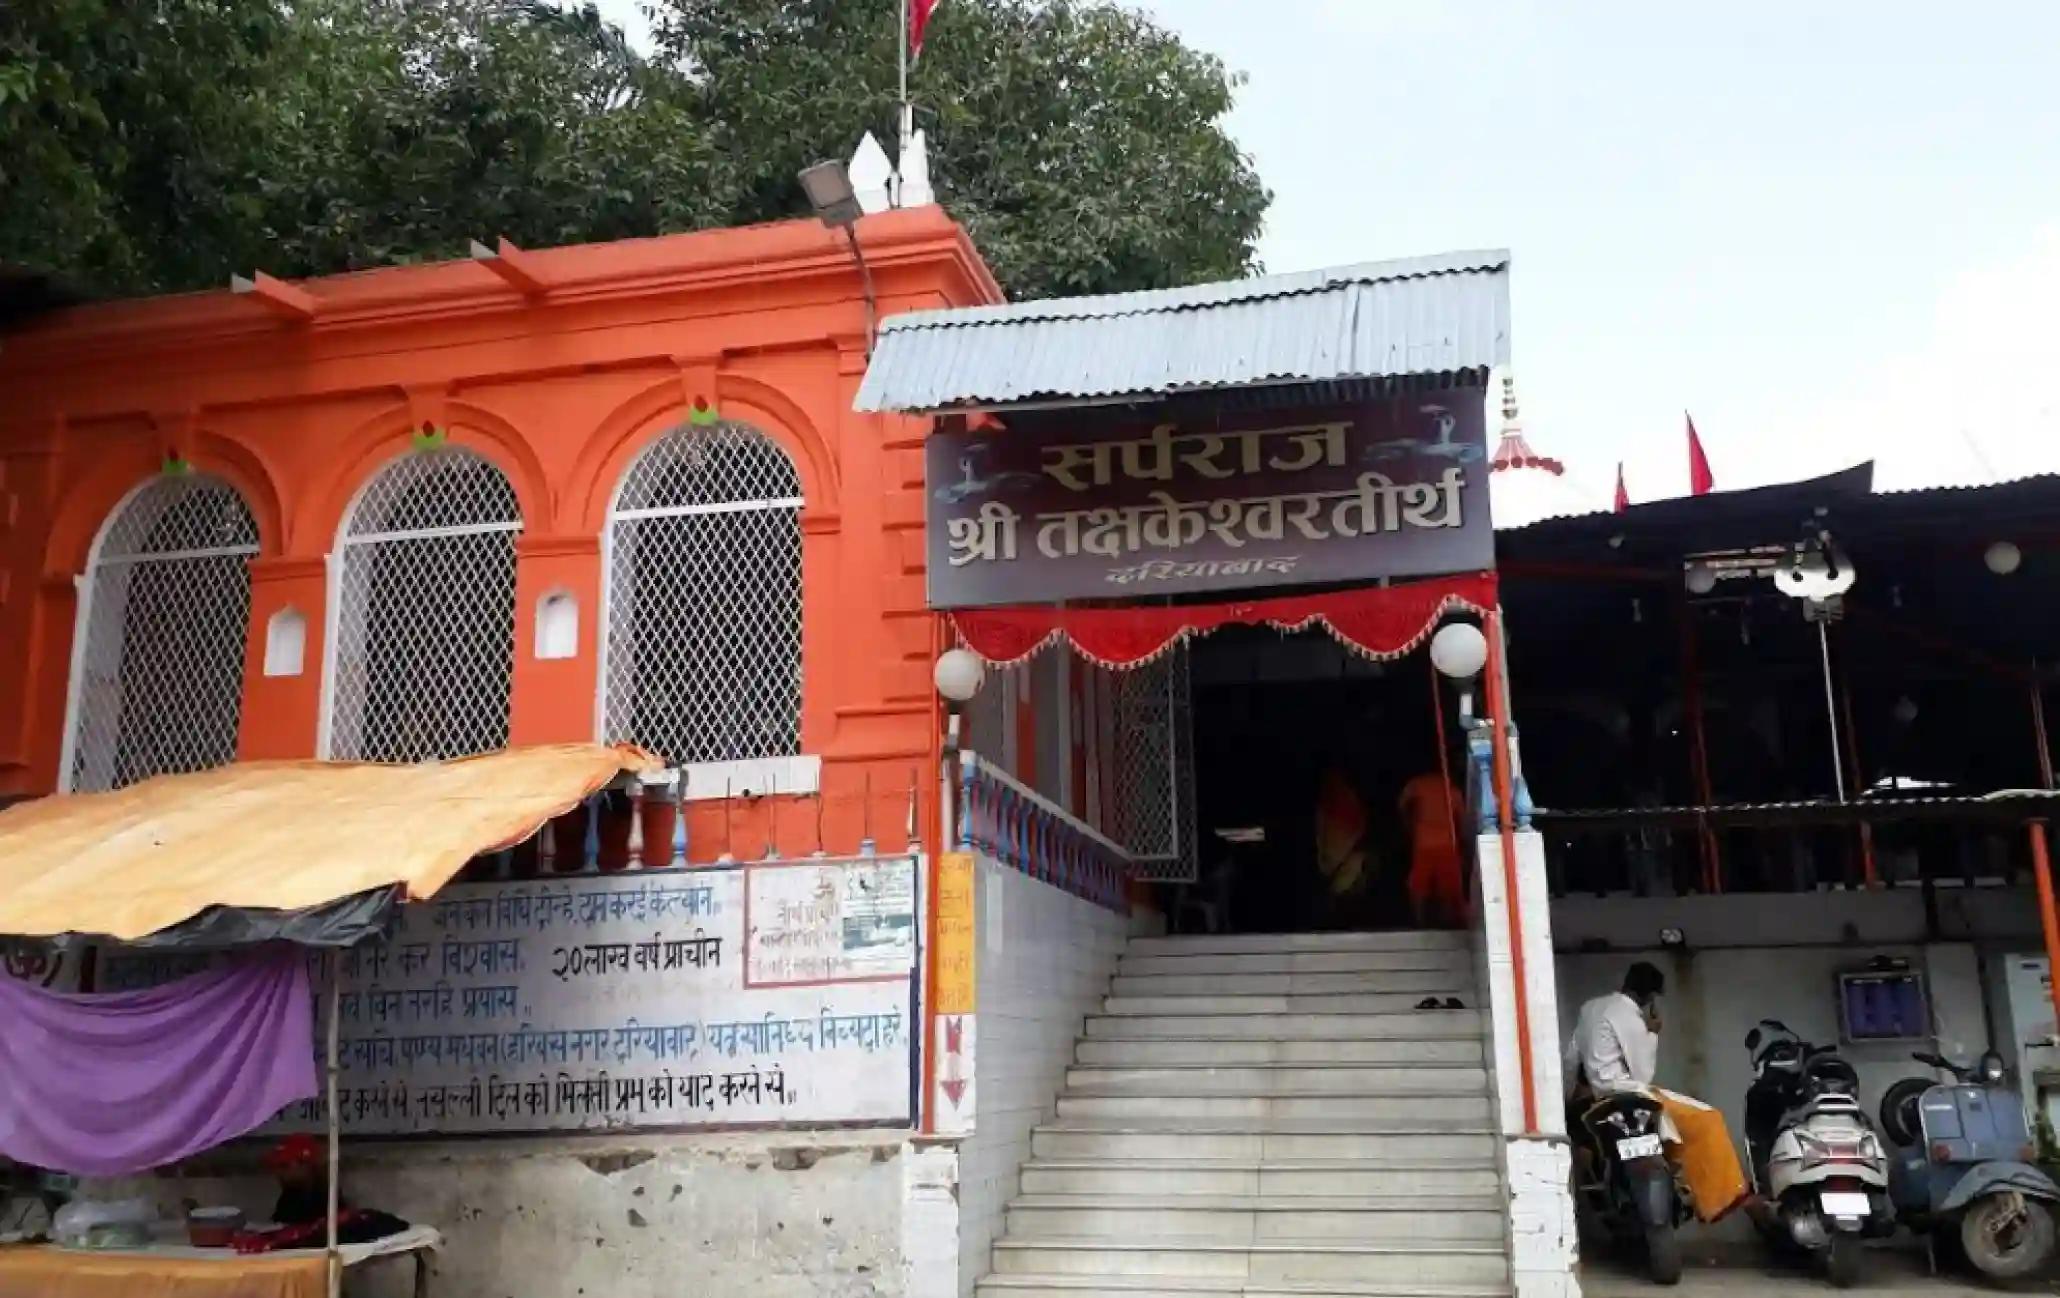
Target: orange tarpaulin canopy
column 53, row 1273
column 281, row 836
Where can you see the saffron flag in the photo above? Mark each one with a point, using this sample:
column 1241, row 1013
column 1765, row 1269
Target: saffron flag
column 919, row 12
column 1700, row 479
column 1623, row 500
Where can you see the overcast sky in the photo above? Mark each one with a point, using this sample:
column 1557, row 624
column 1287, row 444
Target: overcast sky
column 1831, row 231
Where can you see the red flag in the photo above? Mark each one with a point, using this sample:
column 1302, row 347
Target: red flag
column 1623, row 501
column 918, row 19
column 1700, row 479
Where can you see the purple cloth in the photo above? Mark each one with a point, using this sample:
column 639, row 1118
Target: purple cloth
column 117, row 1084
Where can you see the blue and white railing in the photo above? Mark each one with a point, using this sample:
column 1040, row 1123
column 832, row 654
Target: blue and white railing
column 1020, row 828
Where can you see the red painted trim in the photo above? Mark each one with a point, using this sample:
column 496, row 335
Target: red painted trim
column 1505, row 813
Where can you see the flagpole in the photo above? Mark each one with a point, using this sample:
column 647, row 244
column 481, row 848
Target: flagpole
column 907, row 115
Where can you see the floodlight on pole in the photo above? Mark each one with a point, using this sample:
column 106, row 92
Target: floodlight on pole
column 828, row 186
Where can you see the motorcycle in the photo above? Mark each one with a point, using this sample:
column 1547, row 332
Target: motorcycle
column 1963, row 1167
column 1626, row 1183
column 1816, row 1160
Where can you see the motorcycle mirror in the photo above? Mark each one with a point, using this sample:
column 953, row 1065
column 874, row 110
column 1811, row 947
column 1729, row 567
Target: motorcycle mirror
column 1752, row 1039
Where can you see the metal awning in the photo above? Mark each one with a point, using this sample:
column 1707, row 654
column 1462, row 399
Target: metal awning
column 1440, row 317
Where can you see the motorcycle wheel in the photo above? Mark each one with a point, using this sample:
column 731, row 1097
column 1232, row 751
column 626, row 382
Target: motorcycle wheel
column 2006, row 1236
column 1842, row 1260
column 1663, row 1254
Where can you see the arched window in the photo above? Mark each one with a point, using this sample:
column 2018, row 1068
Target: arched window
column 703, row 652
column 424, row 645
column 157, row 674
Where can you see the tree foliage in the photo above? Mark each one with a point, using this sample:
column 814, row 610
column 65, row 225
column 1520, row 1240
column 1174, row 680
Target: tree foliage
column 162, row 144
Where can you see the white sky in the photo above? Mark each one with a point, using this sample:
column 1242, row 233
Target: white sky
column 1829, row 230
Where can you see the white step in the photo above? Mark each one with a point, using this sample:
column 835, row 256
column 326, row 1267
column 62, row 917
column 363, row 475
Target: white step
column 1414, row 1025
column 1159, row 1178
column 1305, row 962
column 1247, row 943
column 1445, row 982
column 1160, row 1107
column 1466, row 1052
column 1082, row 1286
column 1283, row 1263
column 1240, row 1219
column 1278, row 1079
column 1238, row 1003
column 1375, row 1142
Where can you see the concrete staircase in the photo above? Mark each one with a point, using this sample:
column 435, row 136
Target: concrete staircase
column 1268, row 1116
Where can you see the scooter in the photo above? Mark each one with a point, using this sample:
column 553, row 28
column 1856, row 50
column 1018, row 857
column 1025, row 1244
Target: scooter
column 1815, row 1158
column 1626, row 1184
column 1963, row 1168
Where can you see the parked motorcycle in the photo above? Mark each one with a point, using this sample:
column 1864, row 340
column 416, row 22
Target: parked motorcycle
column 1626, row 1184
column 1963, row 1168
column 1815, row 1158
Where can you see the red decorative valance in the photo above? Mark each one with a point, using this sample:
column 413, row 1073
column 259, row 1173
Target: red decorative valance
column 1375, row 622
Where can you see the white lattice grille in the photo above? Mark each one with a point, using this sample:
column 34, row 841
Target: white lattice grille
column 1153, row 768
column 425, row 635
column 159, row 682
column 704, row 599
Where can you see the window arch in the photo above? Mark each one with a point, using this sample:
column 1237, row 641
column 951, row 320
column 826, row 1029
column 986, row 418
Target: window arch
column 157, row 674
column 423, row 652
column 702, row 657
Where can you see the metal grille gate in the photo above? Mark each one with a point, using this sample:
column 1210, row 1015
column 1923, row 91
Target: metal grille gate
column 703, row 649
column 157, row 681
column 1154, row 768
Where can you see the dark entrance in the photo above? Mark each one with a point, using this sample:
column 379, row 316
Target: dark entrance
column 1303, row 751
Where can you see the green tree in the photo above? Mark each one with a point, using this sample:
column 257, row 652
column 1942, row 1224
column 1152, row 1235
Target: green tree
column 126, row 133
column 1080, row 142
column 162, row 144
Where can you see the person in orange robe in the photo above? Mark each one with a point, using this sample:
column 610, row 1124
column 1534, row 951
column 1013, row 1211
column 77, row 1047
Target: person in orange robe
column 1437, row 885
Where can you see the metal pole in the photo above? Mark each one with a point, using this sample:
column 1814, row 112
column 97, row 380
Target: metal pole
column 2038, row 726
column 1831, row 711
column 1438, row 748
column 1505, row 813
column 1870, row 874
column 335, row 1124
column 2041, row 861
column 908, row 116
column 1698, row 746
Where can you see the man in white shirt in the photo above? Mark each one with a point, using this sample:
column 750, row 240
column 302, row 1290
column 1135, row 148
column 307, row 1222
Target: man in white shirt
column 1615, row 1046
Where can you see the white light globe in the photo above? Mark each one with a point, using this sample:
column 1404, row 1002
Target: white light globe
column 959, row 674
column 1459, row 650
column 1701, row 579
column 2003, row 558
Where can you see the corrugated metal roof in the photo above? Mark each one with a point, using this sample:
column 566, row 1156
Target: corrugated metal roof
column 1416, row 316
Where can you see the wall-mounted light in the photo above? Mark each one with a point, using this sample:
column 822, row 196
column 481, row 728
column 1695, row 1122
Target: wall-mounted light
column 1459, row 651
column 958, row 675
column 2003, row 558
column 1700, row 579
